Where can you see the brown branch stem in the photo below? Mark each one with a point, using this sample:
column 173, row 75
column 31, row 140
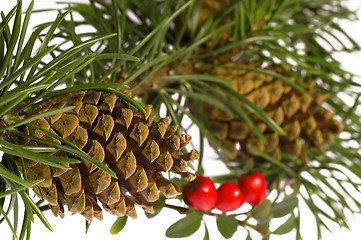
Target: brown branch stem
column 44, row 208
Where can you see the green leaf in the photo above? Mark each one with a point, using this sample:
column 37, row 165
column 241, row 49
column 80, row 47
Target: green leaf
column 118, row 225
column 262, row 211
column 234, row 45
column 13, row 94
column 13, row 42
column 227, row 225
column 88, row 86
column 145, row 67
column 203, row 97
column 169, row 102
column 23, row 33
column 283, row 208
column 267, row 72
column 11, row 176
column 6, row 20
column 35, row 117
column 166, row 22
column 107, row 87
column 26, row 224
column 157, row 206
column 73, row 68
column 13, row 103
column 16, row 212
column 206, row 234
column 36, row 210
column 288, row 226
column 87, row 226
column 72, row 149
column 42, row 158
column 261, row 114
column 116, row 56
column 41, row 149
column 195, row 78
column 18, row 189
column 20, row 151
column 264, row 228
column 267, row 157
column 186, row 226
column 8, row 222
column 68, row 54
column 26, row 66
column 48, row 37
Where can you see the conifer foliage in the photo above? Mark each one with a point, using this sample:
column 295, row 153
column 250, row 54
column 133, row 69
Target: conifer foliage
column 81, row 123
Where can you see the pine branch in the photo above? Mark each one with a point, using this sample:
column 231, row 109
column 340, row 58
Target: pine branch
column 27, row 75
column 188, row 57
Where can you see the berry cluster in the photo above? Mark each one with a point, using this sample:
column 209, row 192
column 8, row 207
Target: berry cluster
column 202, row 194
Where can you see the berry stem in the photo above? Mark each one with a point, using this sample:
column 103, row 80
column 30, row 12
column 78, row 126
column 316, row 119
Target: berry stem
column 183, row 210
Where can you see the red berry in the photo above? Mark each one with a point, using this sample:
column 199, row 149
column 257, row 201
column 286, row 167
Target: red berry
column 201, row 193
column 254, row 187
column 229, row 198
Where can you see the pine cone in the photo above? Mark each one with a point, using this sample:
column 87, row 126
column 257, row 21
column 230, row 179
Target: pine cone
column 128, row 142
column 299, row 114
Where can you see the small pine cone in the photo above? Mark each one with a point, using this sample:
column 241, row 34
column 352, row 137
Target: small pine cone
column 299, row 114
column 127, row 141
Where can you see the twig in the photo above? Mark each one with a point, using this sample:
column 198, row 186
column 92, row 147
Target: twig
column 183, row 210
column 44, row 208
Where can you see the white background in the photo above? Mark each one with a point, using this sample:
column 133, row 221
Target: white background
column 73, row 227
